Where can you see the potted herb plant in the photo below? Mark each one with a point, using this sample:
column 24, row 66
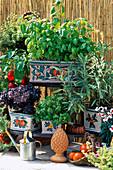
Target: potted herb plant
column 89, row 86
column 101, row 89
column 21, row 102
column 56, row 42
column 52, row 111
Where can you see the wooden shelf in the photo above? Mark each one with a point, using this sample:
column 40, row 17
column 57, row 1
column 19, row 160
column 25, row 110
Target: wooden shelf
column 39, row 134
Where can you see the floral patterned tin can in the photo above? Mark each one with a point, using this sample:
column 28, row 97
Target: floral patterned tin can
column 22, row 122
column 92, row 120
column 48, row 127
column 46, row 72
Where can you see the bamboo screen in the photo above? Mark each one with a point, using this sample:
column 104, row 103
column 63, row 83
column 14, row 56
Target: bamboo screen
column 98, row 12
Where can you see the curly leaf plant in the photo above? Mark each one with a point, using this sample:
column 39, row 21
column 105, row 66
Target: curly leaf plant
column 53, row 108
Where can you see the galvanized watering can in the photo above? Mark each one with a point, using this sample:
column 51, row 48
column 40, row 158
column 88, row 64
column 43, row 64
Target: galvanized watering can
column 27, row 146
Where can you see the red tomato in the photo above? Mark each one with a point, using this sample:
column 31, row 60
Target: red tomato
column 83, row 147
column 6, row 143
column 24, row 81
column 78, row 155
column 71, row 154
column 5, row 134
column 11, row 78
column 11, row 85
column 1, row 135
column 10, row 75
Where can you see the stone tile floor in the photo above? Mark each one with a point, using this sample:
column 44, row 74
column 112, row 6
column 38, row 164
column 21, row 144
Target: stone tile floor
column 12, row 161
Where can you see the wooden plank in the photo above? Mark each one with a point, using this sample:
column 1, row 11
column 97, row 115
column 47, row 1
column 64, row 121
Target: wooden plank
column 50, row 90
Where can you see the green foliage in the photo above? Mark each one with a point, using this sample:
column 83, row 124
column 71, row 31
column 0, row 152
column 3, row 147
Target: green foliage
column 12, row 41
column 106, row 134
column 2, row 109
column 61, row 40
column 11, row 36
column 5, row 147
column 77, row 84
column 103, row 159
column 107, row 123
column 5, row 143
column 3, row 82
column 53, row 108
column 102, row 73
column 20, row 60
column 4, row 123
column 88, row 81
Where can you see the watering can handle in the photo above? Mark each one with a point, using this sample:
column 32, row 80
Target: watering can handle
column 39, row 143
column 25, row 135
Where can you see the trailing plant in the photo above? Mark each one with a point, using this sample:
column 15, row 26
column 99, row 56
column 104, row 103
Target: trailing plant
column 21, row 99
column 61, row 40
column 53, row 108
column 103, row 159
column 5, row 142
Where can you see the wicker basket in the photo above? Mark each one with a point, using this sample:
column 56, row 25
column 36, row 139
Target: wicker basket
column 82, row 161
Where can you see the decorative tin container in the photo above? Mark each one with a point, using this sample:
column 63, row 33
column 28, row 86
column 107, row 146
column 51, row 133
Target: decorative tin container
column 45, row 72
column 48, row 127
column 92, row 120
column 22, row 122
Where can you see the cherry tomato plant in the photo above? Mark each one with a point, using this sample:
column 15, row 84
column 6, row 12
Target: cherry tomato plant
column 18, row 61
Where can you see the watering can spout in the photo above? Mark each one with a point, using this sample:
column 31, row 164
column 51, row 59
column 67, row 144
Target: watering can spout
column 15, row 144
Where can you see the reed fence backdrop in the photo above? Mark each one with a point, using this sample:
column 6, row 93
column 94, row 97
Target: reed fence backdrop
column 98, row 12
